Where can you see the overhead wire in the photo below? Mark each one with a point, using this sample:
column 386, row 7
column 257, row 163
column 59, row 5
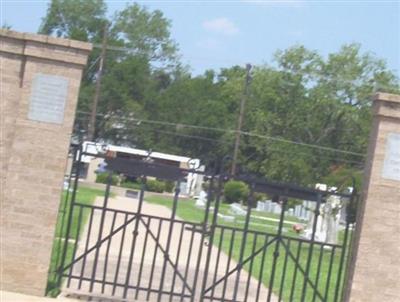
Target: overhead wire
column 245, row 133
column 228, row 142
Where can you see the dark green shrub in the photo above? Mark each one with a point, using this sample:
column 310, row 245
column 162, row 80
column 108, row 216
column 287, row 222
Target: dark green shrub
column 235, row 191
column 169, row 186
column 131, row 185
column 103, row 178
column 259, row 197
column 153, row 185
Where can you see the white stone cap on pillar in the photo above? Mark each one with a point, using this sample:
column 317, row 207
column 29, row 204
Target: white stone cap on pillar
column 387, row 105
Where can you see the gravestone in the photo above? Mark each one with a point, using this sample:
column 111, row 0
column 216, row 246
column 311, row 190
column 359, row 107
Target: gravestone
column 268, row 205
column 131, row 194
column 237, row 209
column 260, row 206
column 297, row 211
column 277, row 208
column 202, row 200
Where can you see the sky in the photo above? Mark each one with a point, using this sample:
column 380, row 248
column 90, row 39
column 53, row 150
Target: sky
column 216, row 34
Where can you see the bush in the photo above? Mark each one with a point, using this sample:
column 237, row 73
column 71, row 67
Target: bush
column 235, row 191
column 259, row 197
column 103, row 178
column 169, row 186
column 131, row 185
column 153, row 185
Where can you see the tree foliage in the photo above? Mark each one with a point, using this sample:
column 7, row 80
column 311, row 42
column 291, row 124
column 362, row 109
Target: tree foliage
column 301, row 101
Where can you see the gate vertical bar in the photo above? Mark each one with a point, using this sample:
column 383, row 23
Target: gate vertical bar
column 119, row 256
column 142, row 259
column 311, row 248
column 350, row 217
column 170, row 230
column 276, row 251
column 344, row 250
column 177, row 261
column 221, row 238
column 295, row 270
column 231, row 245
column 243, row 244
column 253, row 249
column 204, row 230
column 63, row 212
column 75, row 244
column 156, row 248
column 328, row 278
column 103, row 217
column 135, row 234
column 182, row 294
column 70, row 216
column 260, row 277
column 107, row 253
column 284, row 271
column 212, row 231
column 321, row 255
column 89, row 231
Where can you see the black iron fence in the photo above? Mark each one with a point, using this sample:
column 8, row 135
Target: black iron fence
column 128, row 249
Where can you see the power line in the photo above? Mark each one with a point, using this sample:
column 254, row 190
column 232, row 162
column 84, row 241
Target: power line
column 228, row 142
column 245, row 133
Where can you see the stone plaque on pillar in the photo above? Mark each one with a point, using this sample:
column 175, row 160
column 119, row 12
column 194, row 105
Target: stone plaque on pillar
column 391, row 165
column 47, row 101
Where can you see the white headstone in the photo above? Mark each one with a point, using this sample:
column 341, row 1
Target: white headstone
column 277, row 209
column 202, row 200
column 260, row 206
column 237, row 209
column 297, row 210
column 226, row 217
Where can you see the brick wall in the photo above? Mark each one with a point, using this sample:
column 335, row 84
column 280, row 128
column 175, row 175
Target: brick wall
column 375, row 266
column 33, row 154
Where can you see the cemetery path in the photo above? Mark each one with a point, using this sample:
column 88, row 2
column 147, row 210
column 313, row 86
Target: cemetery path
column 107, row 267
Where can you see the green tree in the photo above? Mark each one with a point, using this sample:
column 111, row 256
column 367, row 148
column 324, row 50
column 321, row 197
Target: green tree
column 309, row 100
column 139, row 50
column 75, row 19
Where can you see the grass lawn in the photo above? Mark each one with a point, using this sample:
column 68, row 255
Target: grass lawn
column 282, row 282
column 84, row 196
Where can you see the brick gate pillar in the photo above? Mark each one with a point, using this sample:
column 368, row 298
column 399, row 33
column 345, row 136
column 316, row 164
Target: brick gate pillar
column 40, row 78
column 375, row 263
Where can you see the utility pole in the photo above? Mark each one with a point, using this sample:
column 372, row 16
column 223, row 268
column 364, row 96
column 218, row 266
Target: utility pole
column 240, row 121
column 92, row 121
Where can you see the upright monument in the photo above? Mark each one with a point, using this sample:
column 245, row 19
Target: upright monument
column 40, row 79
column 375, row 264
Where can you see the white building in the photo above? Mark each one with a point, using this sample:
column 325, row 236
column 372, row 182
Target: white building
column 190, row 186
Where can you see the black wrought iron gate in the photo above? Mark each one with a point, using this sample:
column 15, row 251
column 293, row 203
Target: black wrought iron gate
column 127, row 249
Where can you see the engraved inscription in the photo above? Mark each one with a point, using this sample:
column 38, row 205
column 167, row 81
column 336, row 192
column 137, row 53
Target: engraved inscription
column 391, row 165
column 48, row 96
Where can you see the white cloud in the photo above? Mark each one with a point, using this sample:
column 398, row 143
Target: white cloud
column 222, row 26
